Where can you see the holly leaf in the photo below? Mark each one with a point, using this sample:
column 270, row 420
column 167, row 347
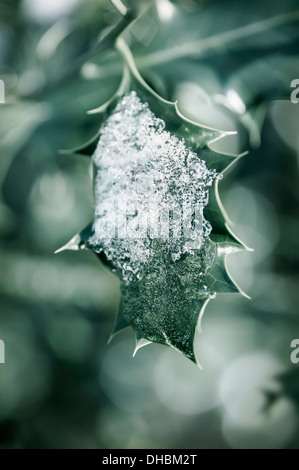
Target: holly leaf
column 165, row 297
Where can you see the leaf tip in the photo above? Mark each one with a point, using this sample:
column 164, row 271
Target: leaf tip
column 244, row 294
column 94, row 110
column 140, row 343
column 72, row 244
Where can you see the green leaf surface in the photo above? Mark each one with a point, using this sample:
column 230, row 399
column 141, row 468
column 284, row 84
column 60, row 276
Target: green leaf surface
column 165, row 304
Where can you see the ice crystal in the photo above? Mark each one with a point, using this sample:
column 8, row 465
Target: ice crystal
column 150, row 191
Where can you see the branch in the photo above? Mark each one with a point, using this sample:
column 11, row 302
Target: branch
column 202, row 46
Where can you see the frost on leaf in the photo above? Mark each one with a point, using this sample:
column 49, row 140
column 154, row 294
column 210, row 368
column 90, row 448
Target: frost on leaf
column 150, row 193
column 159, row 221
column 149, row 188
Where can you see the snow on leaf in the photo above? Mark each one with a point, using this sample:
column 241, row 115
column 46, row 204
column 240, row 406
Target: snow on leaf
column 159, row 222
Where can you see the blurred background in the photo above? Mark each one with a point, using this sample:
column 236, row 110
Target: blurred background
column 62, row 386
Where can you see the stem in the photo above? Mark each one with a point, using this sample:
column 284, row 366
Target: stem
column 202, row 46
column 106, row 43
column 196, row 48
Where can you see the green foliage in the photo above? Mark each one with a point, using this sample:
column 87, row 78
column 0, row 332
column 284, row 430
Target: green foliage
column 164, row 306
column 62, row 387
